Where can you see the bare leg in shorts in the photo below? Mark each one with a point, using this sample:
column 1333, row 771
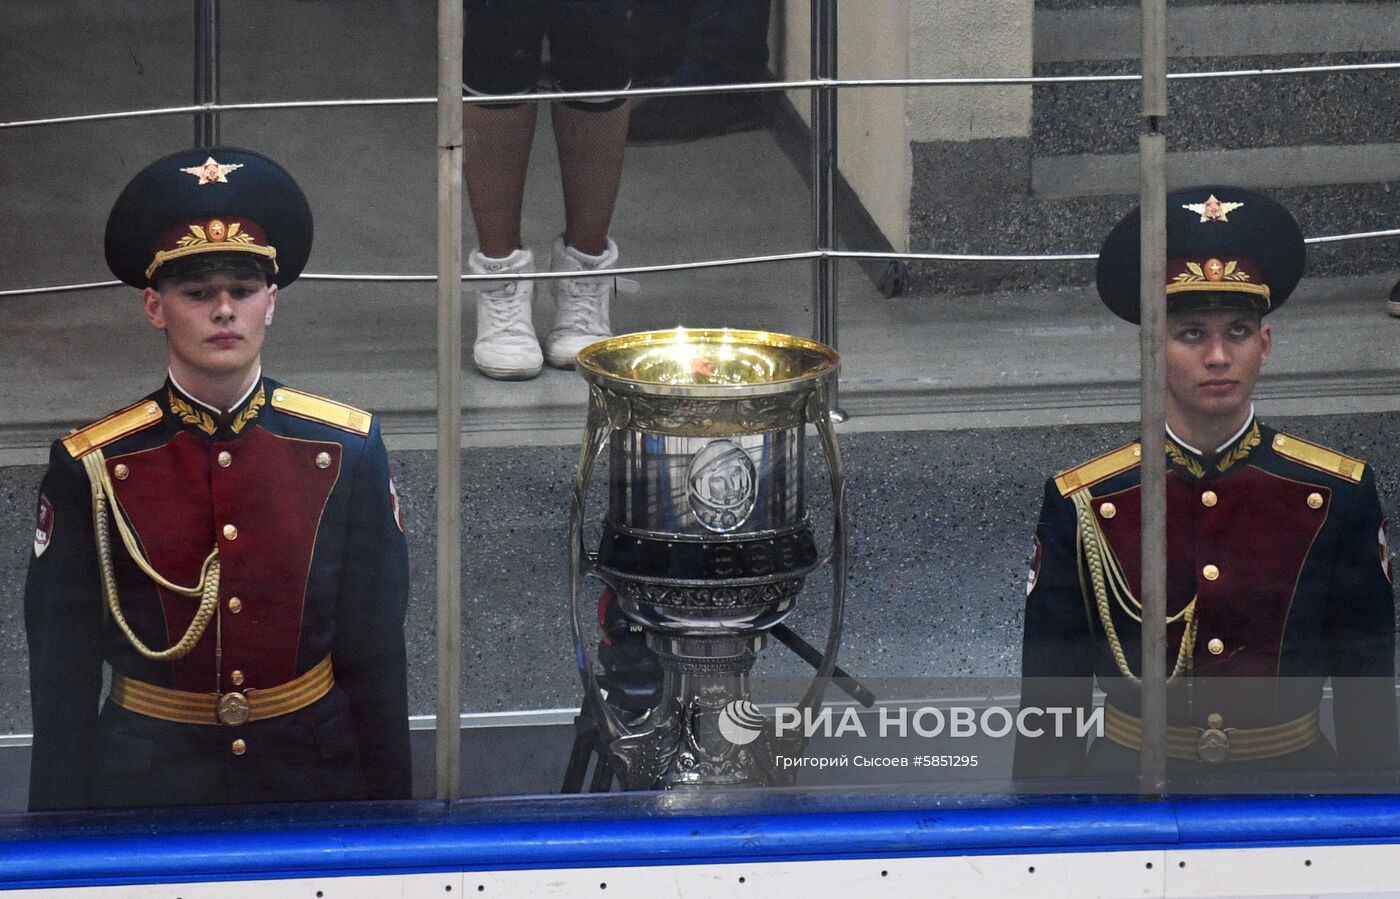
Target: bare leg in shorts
column 496, row 154
column 503, row 45
column 590, row 167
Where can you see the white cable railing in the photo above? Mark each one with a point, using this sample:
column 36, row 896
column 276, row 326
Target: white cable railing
column 690, row 266
column 747, row 87
column 807, row 84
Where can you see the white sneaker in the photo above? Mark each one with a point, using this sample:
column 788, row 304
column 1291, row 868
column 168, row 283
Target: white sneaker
column 581, row 314
column 506, row 347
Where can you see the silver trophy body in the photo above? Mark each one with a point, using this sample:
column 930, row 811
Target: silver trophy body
column 706, row 539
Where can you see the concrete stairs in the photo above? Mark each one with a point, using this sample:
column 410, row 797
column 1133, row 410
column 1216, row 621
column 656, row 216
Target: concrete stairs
column 1326, row 145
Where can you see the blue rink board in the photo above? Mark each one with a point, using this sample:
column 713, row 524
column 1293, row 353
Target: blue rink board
column 406, row 838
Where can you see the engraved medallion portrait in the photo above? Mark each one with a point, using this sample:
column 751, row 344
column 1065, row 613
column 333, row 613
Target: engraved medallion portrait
column 722, row 486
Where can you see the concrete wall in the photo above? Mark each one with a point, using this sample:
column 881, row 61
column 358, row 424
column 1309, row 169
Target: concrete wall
column 879, row 127
column 983, row 38
column 873, row 146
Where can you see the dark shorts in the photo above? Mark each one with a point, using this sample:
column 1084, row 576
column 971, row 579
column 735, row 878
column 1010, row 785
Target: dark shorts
column 503, row 42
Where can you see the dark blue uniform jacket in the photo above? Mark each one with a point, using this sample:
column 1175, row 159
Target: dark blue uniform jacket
column 1282, row 546
column 296, row 493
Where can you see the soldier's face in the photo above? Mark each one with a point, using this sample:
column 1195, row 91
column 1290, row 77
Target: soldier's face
column 214, row 323
column 1213, row 363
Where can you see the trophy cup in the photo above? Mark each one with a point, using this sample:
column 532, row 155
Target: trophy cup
column 706, row 540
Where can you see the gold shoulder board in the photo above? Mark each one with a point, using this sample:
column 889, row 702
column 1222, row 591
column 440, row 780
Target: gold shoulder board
column 1099, row 468
column 317, row 408
column 1319, row 457
column 113, row 427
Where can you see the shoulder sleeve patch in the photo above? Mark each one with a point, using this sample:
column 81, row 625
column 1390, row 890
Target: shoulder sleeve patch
column 43, row 526
column 113, row 427
column 1319, row 457
column 317, row 408
column 1099, row 468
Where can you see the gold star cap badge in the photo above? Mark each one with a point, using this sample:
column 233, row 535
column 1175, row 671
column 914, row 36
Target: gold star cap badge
column 215, row 172
column 1212, row 210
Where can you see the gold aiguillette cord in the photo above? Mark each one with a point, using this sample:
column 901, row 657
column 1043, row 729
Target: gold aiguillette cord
column 207, row 589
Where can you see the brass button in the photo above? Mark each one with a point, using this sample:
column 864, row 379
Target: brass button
column 1215, row 720
column 239, row 747
column 1209, row 499
column 230, row 532
column 152, row 408
column 1216, row 646
column 1314, row 500
column 279, row 396
column 1137, row 451
column 1279, row 440
column 235, row 605
column 237, row 676
column 1210, row 572
column 1108, row 510
column 323, row 460
column 121, row 471
column 225, row 458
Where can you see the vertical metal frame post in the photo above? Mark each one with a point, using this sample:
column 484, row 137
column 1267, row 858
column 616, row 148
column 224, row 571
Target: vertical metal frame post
column 449, row 400
column 824, row 136
column 206, row 70
column 1152, row 162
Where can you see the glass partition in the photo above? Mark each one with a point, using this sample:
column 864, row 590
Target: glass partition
column 977, row 363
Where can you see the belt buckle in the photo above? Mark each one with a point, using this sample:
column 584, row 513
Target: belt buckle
column 232, row 709
column 1213, row 744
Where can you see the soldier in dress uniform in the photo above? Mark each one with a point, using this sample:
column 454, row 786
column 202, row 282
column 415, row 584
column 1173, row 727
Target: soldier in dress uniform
column 1278, row 572
column 230, row 547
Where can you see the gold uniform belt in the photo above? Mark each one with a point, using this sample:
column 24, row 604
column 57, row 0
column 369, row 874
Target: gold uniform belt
column 1217, row 744
column 233, row 709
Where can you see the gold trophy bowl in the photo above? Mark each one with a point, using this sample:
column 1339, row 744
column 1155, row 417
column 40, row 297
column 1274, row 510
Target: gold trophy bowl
column 714, row 362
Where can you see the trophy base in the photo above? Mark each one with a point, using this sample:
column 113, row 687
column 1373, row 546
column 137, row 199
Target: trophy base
column 705, row 732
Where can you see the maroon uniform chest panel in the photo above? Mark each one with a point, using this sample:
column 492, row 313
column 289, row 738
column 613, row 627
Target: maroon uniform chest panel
column 1123, row 529
column 262, row 504
column 1253, row 533
column 164, row 494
